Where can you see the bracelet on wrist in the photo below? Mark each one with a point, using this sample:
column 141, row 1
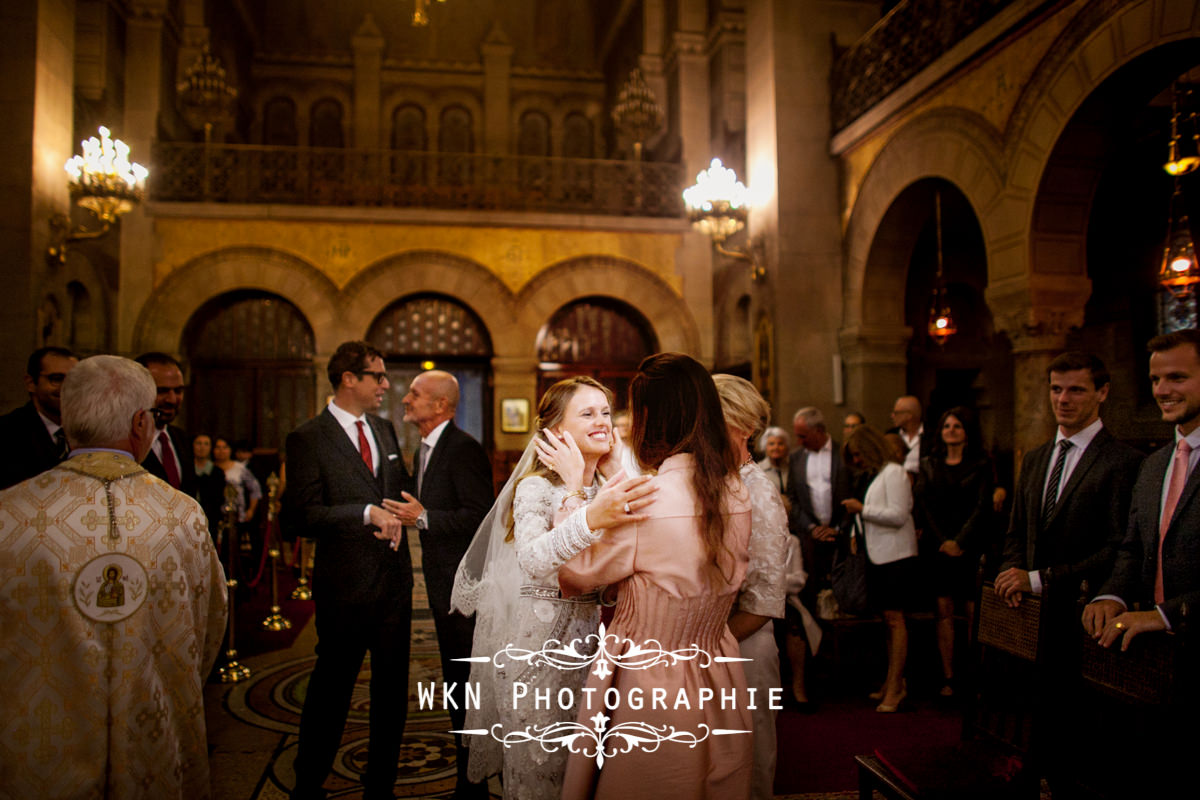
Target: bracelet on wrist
column 580, row 493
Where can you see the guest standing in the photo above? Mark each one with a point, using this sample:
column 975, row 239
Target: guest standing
column 210, row 481
column 31, row 436
column 953, row 509
column 886, row 517
column 170, row 456
column 775, row 444
column 677, row 574
column 342, row 464
column 763, row 595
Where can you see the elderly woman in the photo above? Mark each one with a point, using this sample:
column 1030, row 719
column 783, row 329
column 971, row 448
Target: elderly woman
column 764, row 591
column 776, row 444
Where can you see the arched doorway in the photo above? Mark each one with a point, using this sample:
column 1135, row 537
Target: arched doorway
column 597, row 336
column 251, row 356
column 431, row 331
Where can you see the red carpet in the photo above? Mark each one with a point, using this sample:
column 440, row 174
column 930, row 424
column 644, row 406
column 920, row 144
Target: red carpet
column 816, row 751
column 254, row 605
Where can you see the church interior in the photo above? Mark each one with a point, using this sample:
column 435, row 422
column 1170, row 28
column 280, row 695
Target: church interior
column 936, row 199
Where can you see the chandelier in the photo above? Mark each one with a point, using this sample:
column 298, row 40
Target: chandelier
column 1179, row 272
column 717, row 205
column 1183, row 152
column 637, row 113
column 420, row 17
column 205, row 97
column 941, row 321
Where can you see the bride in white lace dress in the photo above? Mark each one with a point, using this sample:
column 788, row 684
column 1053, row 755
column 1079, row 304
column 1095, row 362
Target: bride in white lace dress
column 550, row 510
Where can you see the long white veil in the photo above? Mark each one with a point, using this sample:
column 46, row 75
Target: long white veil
column 487, row 584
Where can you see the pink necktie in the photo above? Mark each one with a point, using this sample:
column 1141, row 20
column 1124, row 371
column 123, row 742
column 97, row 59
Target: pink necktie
column 1179, row 476
column 168, row 460
column 364, row 447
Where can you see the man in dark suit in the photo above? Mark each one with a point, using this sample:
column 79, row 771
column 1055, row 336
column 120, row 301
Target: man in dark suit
column 32, row 436
column 454, row 494
column 1158, row 563
column 818, row 483
column 1073, row 493
column 170, row 456
column 909, row 425
column 341, row 466
column 1068, row 516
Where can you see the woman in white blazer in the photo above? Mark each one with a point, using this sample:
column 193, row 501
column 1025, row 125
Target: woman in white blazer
column 887, row 524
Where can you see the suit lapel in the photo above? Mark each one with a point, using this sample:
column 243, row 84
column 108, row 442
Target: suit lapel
column 436, row 456
column 1189, row 489
column 1089, row 457
column 342, row 445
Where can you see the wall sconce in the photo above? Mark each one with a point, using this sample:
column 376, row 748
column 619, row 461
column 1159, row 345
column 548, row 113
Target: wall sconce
column 1179, row 272
column 105, row 182
column 717, row 205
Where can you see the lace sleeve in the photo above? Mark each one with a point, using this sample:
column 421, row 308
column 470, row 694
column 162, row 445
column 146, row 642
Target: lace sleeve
column 541, row 547
column 764, row 591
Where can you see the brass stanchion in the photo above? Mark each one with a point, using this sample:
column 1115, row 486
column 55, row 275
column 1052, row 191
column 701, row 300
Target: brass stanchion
column 231, row 671
column 303, row 591
column 275, row 621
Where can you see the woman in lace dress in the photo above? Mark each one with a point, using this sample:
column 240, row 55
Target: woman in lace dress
column 677, row 573
column 550, row 510
column 763, row 595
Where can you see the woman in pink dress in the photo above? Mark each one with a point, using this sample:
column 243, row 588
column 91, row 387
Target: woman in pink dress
column 678, row 724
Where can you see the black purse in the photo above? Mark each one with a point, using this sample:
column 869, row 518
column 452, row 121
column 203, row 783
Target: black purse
column 849, row 573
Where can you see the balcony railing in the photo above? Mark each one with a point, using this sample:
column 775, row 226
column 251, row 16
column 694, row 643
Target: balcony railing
column 912, row 36
column 187, row 172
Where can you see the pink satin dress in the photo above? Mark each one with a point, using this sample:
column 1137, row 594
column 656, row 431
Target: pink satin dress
column 667, row 592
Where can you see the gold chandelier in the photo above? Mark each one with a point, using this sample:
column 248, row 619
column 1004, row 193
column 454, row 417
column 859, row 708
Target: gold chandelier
column 420, row 17
column 941, row 320
column 1179, row 272
column 717, row 205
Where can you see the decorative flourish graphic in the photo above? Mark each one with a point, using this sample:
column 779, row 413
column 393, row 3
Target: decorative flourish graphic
column 601, row 743
column 607, row 654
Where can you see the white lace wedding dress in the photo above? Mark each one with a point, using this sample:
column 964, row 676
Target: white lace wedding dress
column 542, row 546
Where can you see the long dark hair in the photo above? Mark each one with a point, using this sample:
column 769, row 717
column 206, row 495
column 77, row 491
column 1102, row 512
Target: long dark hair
column 676, row 409
column 973, row 448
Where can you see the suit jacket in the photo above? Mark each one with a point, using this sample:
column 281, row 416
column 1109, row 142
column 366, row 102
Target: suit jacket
column 802, row 518
column 328, row 487
column 27, row 446
column 456, row 491
column 187, row 462
column 1080, row 539
column 1137, row 557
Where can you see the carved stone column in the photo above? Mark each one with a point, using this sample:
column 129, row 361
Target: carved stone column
column 497, row 74
column 874, row 371
column 1036, row 312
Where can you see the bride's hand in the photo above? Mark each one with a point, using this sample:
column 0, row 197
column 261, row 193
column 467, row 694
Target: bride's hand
column 620, row 500
column 610, row 463
column 561, row 454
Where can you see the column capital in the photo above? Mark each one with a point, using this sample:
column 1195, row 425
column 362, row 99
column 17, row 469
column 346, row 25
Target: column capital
column 1037, row 311
column 875, row 344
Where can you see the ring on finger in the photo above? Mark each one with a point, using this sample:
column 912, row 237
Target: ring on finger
column 1119, row 626
column 628, row 510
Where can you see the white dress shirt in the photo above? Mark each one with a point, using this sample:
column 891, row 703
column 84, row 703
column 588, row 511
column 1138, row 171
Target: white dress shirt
column 818, row 473
column 349, row 424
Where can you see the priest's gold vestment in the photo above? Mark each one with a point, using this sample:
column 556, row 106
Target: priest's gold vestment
column 109, row 626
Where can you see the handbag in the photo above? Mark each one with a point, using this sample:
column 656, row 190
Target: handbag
column 849, row 573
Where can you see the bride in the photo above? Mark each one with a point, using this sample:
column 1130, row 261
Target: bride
column 550, row 510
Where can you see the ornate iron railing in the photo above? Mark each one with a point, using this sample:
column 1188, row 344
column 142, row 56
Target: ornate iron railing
column 188, row 172
column 913, row 35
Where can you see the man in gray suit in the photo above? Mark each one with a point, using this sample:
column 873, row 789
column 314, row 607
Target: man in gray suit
column 341, row 467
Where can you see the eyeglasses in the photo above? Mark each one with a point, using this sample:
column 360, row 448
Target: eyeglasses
column 379, row 377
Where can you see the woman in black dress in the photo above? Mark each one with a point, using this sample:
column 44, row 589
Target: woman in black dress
column 953, row 494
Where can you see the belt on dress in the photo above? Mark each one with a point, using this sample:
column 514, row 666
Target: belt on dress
column 546, row 593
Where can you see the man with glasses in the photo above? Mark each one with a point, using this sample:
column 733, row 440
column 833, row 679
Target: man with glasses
column 341, row 466
column 32, row 435
column 170, row 455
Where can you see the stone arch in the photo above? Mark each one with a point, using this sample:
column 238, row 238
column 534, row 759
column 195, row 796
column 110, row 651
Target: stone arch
column 606, row 276
column 468, row 282
column 161, row 322
column 954, row 145
column 1096, row 44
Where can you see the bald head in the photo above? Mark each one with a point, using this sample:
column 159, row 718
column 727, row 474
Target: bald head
column 431, row 400
column 906, row 414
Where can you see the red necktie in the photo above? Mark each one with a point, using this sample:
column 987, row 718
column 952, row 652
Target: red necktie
column 364, row 447
column 1179, row 476
column 168, row 459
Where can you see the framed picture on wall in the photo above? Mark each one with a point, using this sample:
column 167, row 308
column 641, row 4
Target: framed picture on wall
column 514, row 415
